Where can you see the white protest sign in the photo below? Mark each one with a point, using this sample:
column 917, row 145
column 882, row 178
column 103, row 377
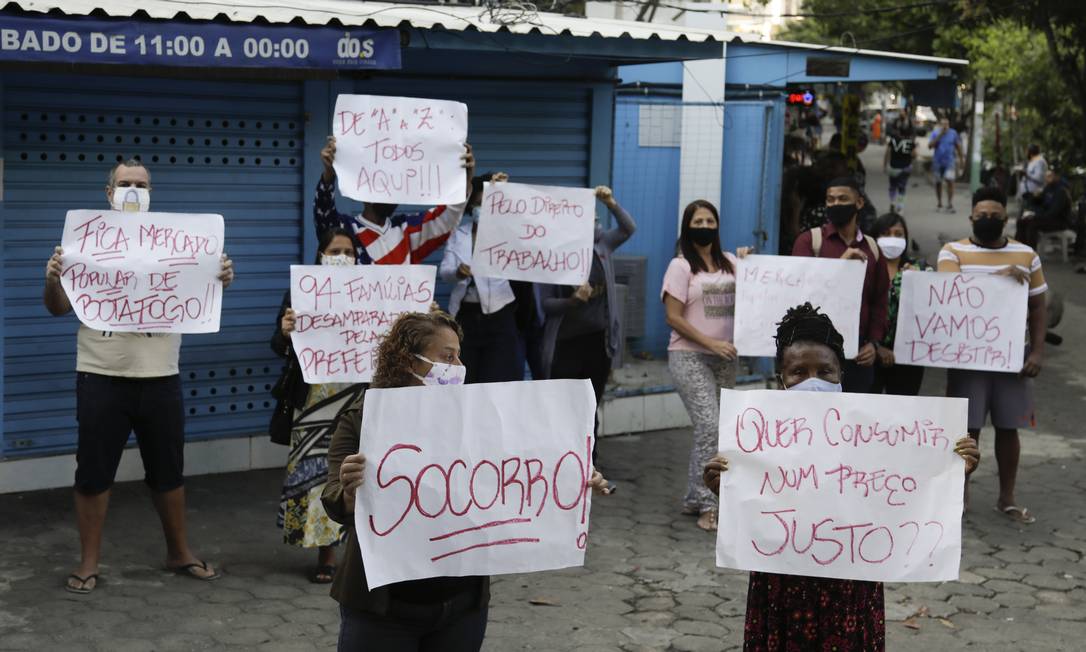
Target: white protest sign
column 767, row 286
column 849, row 486
column 961, row 321
column 341, row 313
column 475, row 479
column 541, row 234
column 143, row 272
column 400, row 150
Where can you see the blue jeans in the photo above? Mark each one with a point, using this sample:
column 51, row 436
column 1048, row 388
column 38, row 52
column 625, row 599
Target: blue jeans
column 442, row 627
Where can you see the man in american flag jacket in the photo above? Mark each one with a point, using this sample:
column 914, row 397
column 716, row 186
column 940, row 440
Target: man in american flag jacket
column 383, row 238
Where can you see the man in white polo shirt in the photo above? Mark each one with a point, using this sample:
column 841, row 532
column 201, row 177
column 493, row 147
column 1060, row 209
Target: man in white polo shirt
column 125, row 383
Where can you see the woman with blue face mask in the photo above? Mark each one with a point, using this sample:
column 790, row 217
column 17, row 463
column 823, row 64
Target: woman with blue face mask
column 304, row 419
column 794, row 612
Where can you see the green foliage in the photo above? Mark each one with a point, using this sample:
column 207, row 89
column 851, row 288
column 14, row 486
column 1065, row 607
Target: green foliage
column 1032, row 53
column 908, row 30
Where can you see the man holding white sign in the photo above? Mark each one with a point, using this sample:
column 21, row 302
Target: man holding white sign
column 829, row 496
column 128, row 381
column 841, row 238
column 455, row 491
column 1007, row 396
column 384, row 141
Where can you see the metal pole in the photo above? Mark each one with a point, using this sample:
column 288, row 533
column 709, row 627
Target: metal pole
column 976, row 136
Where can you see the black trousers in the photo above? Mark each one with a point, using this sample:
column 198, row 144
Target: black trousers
column 490, row 350
column 900, row 380
column 450, row 626
column 857, row 379
column 584, row 356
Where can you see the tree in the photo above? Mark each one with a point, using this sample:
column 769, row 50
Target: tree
column 1063, row 25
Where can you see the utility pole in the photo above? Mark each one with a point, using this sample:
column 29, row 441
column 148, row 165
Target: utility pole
column 976, row 138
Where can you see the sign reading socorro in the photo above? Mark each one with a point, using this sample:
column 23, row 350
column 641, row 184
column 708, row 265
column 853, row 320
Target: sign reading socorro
column 341, row 313
column 143, row 272
column 963, row 321
column 541, row 234
column 474, row 479
column 196, row 44
column 848, row 486
column 400, row 150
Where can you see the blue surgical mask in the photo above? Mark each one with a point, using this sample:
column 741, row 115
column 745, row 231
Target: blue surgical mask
column 815, row 385
column 473, row 215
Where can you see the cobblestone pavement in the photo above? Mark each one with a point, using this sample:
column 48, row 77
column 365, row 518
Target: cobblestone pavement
column 649, row 582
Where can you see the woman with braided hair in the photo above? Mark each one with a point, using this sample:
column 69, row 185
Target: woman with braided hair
column 794, row 612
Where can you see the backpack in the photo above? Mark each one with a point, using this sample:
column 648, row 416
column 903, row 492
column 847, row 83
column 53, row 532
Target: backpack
column 816, row 243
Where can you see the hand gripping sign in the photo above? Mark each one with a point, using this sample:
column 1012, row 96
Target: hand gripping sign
column 341, row 314
column 961, row 321
column 400, row 150
column 767, row 286
column 475, row 479
column 848, row 486
column 143, row 272
column 541, row 234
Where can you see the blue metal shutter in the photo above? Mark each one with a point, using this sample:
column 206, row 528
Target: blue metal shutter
column 233, row 148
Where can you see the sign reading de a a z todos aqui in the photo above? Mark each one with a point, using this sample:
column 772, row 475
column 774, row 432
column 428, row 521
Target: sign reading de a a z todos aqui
column 202, row 44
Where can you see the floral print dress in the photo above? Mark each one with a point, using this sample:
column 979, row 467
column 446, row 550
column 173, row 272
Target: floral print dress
column 301, row 513
column 793, row 613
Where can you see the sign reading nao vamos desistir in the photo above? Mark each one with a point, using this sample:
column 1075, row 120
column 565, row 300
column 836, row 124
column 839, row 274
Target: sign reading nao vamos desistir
column 196, row 44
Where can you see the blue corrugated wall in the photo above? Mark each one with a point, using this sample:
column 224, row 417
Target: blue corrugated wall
column 646, row 181
column 248, row 150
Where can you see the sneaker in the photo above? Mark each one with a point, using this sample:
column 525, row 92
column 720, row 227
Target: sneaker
column 950, row 210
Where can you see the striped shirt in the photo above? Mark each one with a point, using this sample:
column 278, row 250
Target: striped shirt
column 401, row 239
column 964, row 256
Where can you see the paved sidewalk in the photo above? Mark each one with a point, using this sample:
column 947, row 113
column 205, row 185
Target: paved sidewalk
column 649, row 582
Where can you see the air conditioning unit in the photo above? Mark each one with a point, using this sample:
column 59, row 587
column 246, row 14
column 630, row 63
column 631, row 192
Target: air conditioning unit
column 630, row 272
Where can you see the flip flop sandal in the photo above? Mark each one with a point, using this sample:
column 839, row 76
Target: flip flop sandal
column 1016, row 513
column 712, row 524
column 323, row 574
column 188, row 570
column 82, row 589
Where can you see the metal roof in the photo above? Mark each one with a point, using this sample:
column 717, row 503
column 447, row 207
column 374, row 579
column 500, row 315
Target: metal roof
column 853, row 51
column 381, row 14
column 449, row 17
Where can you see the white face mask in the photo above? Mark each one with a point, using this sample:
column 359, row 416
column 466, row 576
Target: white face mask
column 339, row 260
column 892, row 247
column 131, row 199
column 442, row 374
column 815, row 385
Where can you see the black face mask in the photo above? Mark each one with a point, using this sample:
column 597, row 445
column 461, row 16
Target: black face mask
column 702, row 236
column 987, row 229
column 840, row 214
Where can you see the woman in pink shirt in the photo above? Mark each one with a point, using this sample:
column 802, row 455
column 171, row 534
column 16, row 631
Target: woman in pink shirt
column 699, row 296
